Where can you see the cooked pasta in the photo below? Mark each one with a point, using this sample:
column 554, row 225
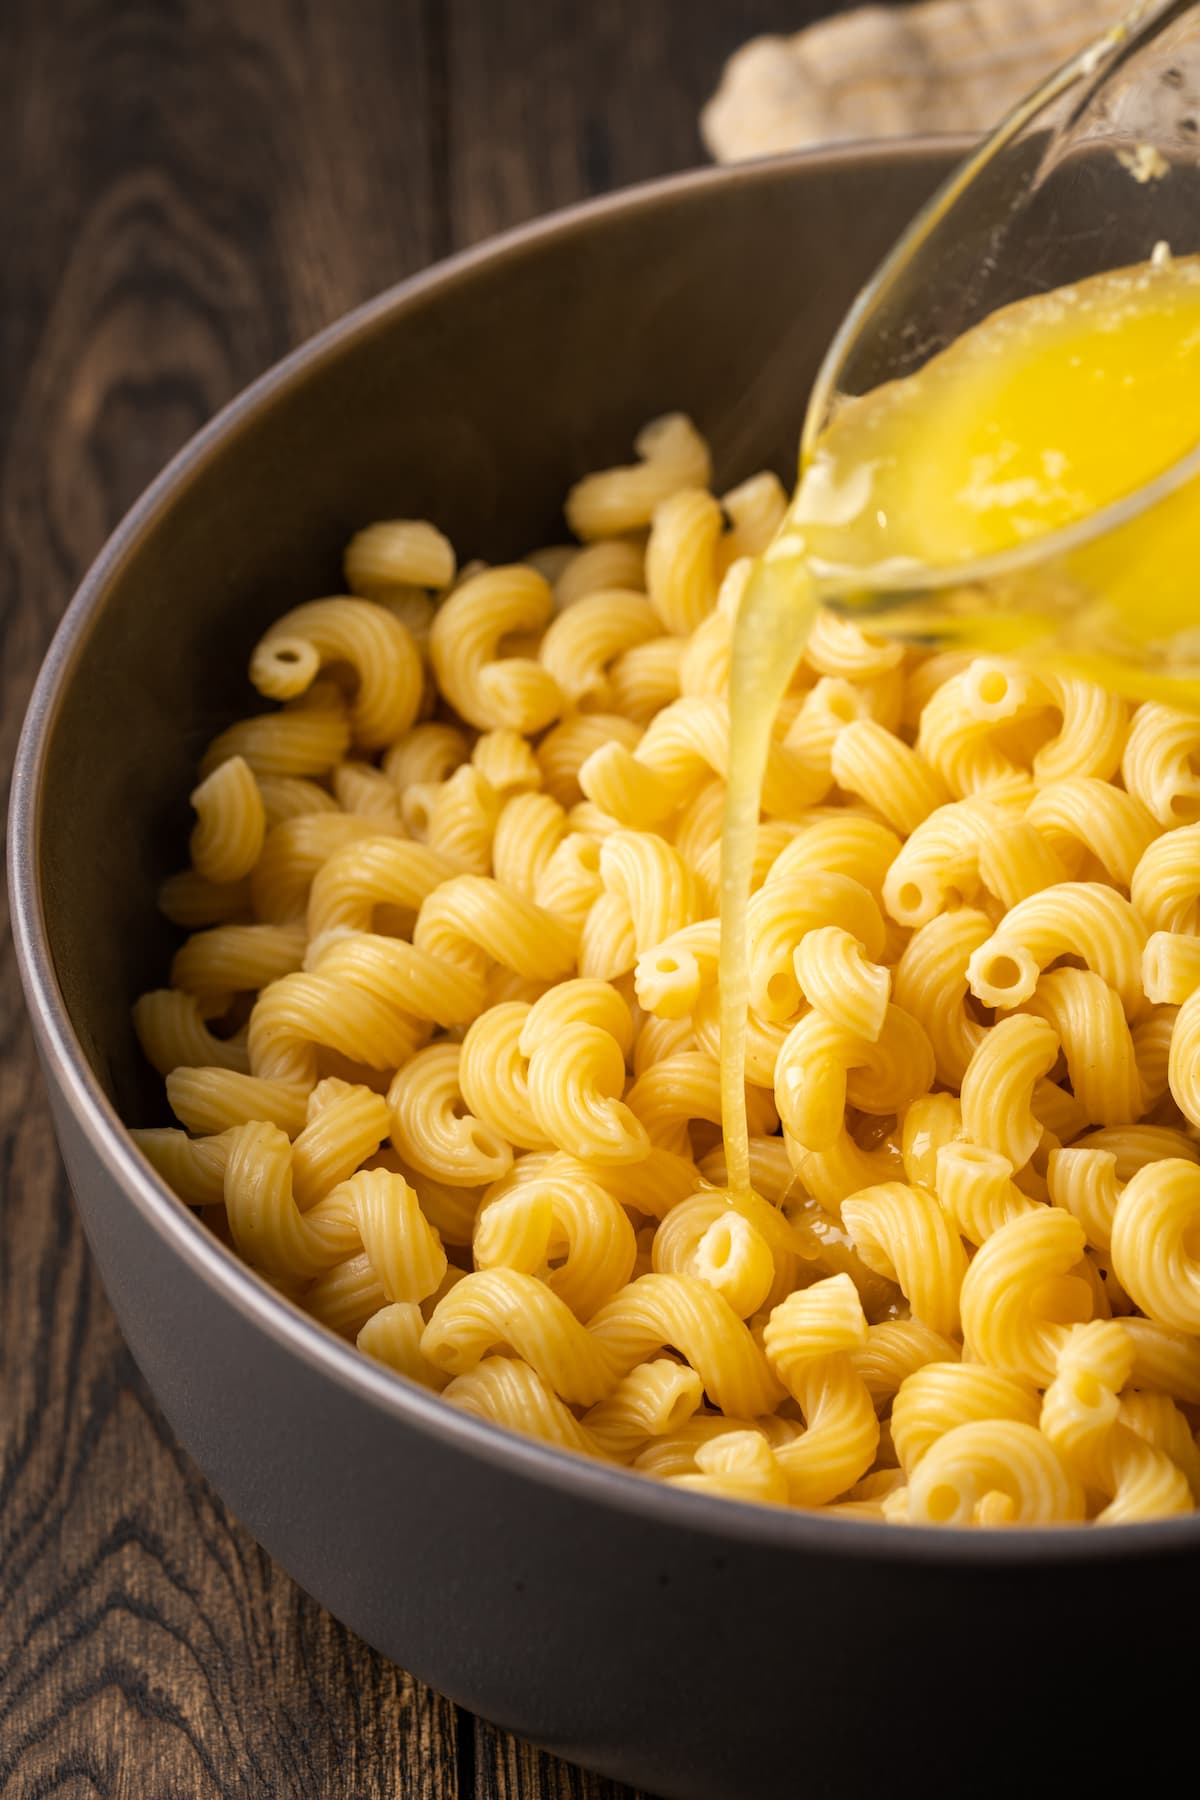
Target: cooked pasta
column 442, row 1030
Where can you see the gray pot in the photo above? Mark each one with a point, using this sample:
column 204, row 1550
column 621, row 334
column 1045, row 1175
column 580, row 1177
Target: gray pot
column 696, row 1647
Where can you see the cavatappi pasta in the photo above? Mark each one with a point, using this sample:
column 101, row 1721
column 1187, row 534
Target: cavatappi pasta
column 443, row 1035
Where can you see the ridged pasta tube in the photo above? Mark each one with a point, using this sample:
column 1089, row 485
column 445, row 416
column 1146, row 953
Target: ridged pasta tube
column 1081, row 1418
column 1183, row 1069
column 808, row 1339
column 369, row 873
column 904, row 1234
column 780, row 915
column 173, row 1033
column 708, row 1237
column 186, row 899
column 300, row 740
column 1165, row 888
column 1159, row 765
column 564, row 1227
column 580, row 643
column 822, row 1067
column 680, row 1312
column 368, row 997
column 230, row 824
column 472, row 919
column 237, row 959
column 393, row 1336
column 838, row 979
column 290, row 655
column 431, row 1127
column 496, row 1307
column 214, row 1100
column 1082, row 816
column 679, row 1089
column 672, row 456
column 976, row 1188
column 654, row 1400
column 617, row 562
column 506, row 1391
column 1156, row 1242
column 484, row 687
column 1076, row 918
column 295, row 851
column 839, row 841
column 998, row 1086
column 1171, row 967
column 681, row 559
column 1102, row 1063
column 737, row 1465
column 940, row 1396
column 896, row 1349
column 345, row 1125
column 398, row 553
column 193, row 1167
column 930, row 983
column 683, row 746
column 1020, row 1297
column 268, row 1227
column 883, row 770
column 955, row 1479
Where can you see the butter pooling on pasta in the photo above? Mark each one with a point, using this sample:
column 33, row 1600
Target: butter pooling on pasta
column 444, row 1035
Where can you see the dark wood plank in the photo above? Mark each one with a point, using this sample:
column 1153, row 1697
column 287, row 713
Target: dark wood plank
column 554, row 100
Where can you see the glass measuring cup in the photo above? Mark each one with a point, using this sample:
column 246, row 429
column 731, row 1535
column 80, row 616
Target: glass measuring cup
column 1098, row 170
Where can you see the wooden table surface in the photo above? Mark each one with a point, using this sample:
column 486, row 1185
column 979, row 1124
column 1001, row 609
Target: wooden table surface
column 190, row 188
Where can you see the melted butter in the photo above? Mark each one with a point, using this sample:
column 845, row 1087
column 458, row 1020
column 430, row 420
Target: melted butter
column 1037, row 419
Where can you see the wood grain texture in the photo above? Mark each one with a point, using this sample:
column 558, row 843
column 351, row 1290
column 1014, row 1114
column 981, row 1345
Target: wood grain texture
column 192, row 187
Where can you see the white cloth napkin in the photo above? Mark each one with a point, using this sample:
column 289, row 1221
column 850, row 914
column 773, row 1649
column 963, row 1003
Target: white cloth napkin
column 943, row 65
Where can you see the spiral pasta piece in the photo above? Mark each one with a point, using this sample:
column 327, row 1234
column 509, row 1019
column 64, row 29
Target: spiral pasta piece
column 617, row 562
column 903, row 1234
column 678, row 1311
column 1078, row 918
column 1020, row 1297
column 1156, row 1242
column 237, row 959
column 173, row 1033
column 955, row 1479
column 672, row 456
column 1102, row 1063
column 230, row 822
column 1183, row 1067
column 485, row 688
column 708, row 1237
column 431, row 1127
column 807, row 1339
column 397, row 553
column 1165, row 888
column 563, row 1226
column 370, row 873
column 1081, row 1418
column 291, row 654
column 506, row 1391
column 999, row 1084
column 654, row 1400
column 821, row 1067
column 1159, row 765
column 940, row 1396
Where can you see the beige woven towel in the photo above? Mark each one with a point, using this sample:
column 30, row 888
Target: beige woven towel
column 944, row 65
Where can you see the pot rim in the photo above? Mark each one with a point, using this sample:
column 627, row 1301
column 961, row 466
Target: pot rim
column 68, row 1068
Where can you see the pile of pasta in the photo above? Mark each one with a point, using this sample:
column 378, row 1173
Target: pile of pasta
column 443, row 1039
